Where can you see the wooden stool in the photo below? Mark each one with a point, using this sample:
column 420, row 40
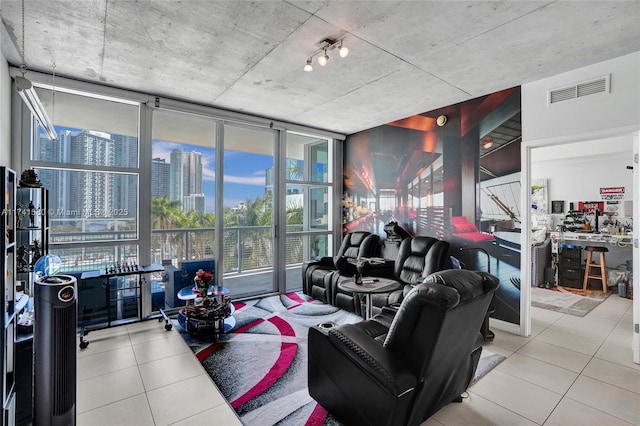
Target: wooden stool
column 602, row 276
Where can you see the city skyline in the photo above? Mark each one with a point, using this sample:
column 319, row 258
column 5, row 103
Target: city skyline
column 244, row 178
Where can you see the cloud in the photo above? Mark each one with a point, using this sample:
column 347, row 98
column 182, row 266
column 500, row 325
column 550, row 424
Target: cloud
column 163, row 149
column 245, row 180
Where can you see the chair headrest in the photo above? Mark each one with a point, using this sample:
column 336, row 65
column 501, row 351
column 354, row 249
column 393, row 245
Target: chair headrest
column 469, row 284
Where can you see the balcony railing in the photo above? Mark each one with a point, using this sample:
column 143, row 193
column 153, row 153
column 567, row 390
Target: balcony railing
column 246, row 248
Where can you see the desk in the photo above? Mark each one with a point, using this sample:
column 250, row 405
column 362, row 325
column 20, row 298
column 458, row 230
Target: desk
column 622, row 241
column 368, row 287
column 620, row 253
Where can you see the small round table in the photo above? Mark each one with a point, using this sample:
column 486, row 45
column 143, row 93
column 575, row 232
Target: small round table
column 191, row 324
column 188, row 294
column 369, row 286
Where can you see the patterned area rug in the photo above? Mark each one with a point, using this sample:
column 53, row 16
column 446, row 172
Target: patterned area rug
column 261, row 365
column 567, row 300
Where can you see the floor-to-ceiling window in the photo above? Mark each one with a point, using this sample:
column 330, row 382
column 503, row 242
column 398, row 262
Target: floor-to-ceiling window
column 132, row 181
column 308, row 199
column 248, row 194
column 91, row 171
column 92, row 174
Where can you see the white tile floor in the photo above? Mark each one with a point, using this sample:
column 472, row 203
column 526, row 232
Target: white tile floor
column 571, row 371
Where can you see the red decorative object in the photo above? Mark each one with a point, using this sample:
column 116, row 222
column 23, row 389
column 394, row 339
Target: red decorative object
column 202, row 280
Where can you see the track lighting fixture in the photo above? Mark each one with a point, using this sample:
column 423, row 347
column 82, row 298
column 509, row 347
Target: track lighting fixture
column 327, row 45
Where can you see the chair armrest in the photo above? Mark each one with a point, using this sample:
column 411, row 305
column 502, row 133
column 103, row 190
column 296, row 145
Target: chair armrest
column 322, row 261
column 381, row 270
column 371, row 357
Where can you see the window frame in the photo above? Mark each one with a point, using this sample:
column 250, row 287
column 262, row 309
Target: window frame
column 24, row 128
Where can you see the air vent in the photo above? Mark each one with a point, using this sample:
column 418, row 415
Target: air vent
column 591, row 87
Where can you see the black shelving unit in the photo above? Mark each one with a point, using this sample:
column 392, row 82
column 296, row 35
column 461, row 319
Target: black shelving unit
column 12, row 303
column 32, row 243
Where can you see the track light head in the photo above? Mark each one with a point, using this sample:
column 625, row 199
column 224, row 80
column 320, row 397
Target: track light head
column 322, row 60
column 343, row 50
column 308, row 67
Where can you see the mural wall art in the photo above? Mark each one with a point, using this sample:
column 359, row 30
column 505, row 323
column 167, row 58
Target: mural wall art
column 452, row 173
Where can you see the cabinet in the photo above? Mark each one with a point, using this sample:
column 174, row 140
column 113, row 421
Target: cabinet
column 12, row 304
column 570, row 270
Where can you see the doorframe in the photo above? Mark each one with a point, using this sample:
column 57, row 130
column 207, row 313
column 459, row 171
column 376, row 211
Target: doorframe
column 525, row 254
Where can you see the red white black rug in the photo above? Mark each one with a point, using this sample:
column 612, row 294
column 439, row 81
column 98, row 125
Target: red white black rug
column 260, row 366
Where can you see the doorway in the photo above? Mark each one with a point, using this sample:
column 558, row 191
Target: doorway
column 577, row 172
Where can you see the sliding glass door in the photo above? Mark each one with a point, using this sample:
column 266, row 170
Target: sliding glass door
column 248, row 194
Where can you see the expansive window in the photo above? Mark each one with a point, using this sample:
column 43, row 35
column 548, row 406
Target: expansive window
column 309, row 195
column 134, row 182
column 92, row 173
column 248, row 253
column 182, row 187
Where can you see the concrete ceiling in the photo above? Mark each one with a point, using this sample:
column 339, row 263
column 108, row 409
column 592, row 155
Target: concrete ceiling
column 405, row 57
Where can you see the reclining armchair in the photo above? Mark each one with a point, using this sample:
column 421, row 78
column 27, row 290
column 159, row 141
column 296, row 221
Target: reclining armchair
column 416, row 258
column 316, row 275
column 402, row 366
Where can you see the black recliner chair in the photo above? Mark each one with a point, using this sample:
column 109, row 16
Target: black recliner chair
column 316, row 275
column 400, row 367
column 416, row 258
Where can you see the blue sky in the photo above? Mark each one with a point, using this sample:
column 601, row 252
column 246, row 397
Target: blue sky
column 244, row 174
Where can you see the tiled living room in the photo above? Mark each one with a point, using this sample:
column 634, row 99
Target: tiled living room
column 571, row 371
column 255, row 137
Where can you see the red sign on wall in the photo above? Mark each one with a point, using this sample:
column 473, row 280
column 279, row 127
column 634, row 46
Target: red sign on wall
column 612, row 193
column 590, row 206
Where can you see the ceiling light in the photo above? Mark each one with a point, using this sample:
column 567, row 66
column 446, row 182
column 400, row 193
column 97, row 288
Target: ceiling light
column 322, row 60
column 326, row 45
column 30, row 97
column 308, row 67
column 487, row 144
column 343, row 50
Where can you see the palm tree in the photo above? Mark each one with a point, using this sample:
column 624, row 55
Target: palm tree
column 165, row 214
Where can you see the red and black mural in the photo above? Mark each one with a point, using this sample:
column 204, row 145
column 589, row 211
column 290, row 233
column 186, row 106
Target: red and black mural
column 452, row 173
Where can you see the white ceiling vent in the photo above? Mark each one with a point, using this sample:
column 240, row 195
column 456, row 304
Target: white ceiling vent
column 579, row 90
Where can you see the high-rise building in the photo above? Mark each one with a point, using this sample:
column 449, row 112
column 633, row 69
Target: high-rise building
column 92, row 193
column 55, row 151
column 126, row 186
column 175, row 175
column 192, row 173
column 160, row 178
column 186, row 179
column 193, row 202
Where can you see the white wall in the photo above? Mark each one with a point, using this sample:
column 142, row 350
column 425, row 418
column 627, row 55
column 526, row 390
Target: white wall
column 594, row 113
column 589, row 118
column 580, row 178
column 5, row 113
